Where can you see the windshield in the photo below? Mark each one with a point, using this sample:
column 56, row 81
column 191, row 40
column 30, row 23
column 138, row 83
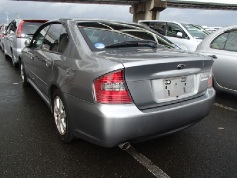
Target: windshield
column 196, row 31
column 101, row 35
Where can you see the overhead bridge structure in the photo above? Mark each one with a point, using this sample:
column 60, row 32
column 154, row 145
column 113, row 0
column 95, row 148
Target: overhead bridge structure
column 150, row 9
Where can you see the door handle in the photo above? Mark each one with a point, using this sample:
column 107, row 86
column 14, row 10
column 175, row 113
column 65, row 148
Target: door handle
column 32, row 57
column 213, row 56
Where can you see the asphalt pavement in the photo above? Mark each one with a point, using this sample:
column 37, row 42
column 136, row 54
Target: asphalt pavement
column 30, row 147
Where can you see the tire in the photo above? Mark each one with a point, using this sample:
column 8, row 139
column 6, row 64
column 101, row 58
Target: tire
column 23, row 76
column 61, row 118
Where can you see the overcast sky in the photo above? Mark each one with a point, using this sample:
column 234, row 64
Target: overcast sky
column 40, row 10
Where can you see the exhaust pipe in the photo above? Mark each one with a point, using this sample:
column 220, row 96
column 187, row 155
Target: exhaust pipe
column 124, row 146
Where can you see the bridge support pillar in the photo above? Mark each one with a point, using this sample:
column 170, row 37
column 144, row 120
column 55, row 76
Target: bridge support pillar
column 148, row 10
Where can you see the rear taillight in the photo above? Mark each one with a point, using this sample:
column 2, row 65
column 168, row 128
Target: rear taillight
column 19, row 30
column 2, row 35
column 210, row 81
column 110, row 88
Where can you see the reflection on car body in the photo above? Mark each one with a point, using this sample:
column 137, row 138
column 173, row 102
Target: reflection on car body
column 106, row 81
column 222, row 46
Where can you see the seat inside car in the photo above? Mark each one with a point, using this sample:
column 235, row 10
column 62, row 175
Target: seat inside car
column 63, row 41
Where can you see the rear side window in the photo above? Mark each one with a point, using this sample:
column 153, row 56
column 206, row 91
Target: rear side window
column 39, row 37
column 231, row 43
column 158, row 26
column 51, row 40
column 219, row 42
column 63, row 41
column 56, row 39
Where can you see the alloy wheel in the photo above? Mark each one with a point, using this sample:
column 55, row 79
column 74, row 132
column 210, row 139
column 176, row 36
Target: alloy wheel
column 60, row 115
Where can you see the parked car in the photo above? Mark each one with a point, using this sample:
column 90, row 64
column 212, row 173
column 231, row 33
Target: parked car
column 17, row 32
column 110, row 82
column 222, row 46
column 187, row 36
column 3, row 28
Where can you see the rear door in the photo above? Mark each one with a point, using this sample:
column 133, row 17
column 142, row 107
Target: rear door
column 52, row 48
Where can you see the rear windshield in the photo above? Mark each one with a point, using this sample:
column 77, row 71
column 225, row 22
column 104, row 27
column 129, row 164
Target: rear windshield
column 29, row 28
column 100, row 35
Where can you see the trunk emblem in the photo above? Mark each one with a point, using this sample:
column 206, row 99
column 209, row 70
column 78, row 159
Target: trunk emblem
column 181, row 66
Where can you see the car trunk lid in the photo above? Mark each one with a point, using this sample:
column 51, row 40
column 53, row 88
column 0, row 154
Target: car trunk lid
column 161, row 77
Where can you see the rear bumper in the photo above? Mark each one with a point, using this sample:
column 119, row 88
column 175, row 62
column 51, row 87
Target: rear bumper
column 109, row 125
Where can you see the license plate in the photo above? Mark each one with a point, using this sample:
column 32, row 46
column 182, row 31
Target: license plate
column 174, row 88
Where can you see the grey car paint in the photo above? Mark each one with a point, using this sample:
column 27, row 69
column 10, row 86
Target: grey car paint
column 74, row 72
column 224, row 67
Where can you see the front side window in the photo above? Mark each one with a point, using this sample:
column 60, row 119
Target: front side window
column 160, row 27
column 219, row 42
column 196, row 31
column 231, row 43
column 174, row 30
column 100, row 35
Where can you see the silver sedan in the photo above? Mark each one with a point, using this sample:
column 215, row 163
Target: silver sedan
column 222, row 46
column 110, row 82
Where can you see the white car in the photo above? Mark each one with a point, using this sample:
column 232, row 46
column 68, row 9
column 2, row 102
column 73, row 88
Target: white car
column 3, row 28
column 186, row 36
column 221, row 45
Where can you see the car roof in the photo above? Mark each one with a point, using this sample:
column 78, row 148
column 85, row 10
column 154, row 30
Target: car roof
column 216, row 33
column 93, row 20
column 169, row 21
column 221, row 30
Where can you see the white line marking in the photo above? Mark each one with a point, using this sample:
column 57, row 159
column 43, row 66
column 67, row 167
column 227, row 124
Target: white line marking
column 148, row 164
column 225, row 107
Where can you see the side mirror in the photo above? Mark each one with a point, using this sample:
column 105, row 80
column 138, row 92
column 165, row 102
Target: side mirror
column 27, row 42
column 5, row 32
column 179, row 34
